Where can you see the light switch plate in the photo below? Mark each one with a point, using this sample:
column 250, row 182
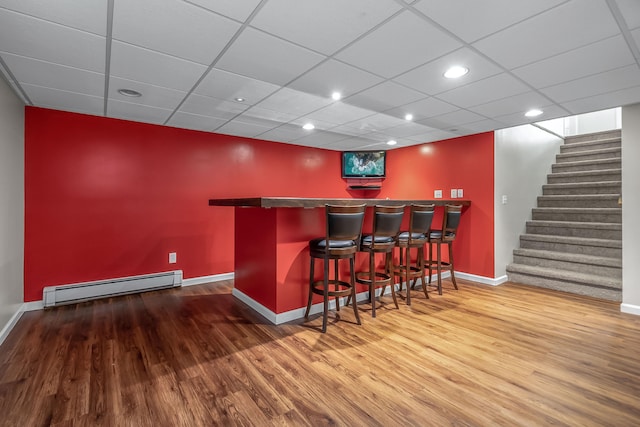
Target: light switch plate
column 437, row 194
column 172, row 257
column 454, row 193
column 460, row 193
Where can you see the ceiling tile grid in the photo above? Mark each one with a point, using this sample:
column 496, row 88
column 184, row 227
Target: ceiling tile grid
column 264, row 68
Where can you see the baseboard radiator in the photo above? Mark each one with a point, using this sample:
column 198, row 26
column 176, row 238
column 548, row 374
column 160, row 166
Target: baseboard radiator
column 78, row 292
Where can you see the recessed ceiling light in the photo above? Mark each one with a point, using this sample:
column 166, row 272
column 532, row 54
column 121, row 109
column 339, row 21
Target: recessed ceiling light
column 239, row 99
column 392, row 142
column 534, row 112
column 308, row 126
column 336, row 96
column 455, row 72
column 408, row 117
column 129, row 92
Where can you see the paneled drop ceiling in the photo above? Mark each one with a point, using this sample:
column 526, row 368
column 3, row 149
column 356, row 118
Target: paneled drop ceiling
column 193, row 60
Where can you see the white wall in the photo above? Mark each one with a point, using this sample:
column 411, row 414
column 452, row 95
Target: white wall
column 523, row 158
column 11, row 206
column 630, row 209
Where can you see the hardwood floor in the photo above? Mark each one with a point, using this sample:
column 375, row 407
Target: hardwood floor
column 196, row 356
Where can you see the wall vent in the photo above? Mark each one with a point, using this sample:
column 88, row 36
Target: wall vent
column 78, row 292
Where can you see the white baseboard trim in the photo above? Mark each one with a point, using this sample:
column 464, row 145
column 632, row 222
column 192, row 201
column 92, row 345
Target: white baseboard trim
column 4, row 333
column 482, row 279
column 630, row 309
column 33, row 306
column 207, row 279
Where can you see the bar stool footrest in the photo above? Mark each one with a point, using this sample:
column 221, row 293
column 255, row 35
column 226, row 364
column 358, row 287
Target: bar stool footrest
column 318, row 288
column 382, row 279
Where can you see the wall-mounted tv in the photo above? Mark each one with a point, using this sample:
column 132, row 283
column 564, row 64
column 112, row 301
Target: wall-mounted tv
column 364, row 164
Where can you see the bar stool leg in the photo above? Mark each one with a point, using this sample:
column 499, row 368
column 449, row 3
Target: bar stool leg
column 311, row 268
column 439, row 267
column 326, row 295
column 453, row 276
column 406, row 273
column 421, row 266
column 372, row 282
column 353, row 288
column 388, row 270
column 337, row 285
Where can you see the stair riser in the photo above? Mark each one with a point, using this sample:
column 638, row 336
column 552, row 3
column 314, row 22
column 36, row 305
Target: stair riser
column 561, row 179
column 577, row 217
column 576, row 148
column 596, row 166
column 588, row 233
column 562, row 191
column 573, row 203
column 596, row 270
column 571, row 248
column 608, row 294
column 610, row 135
column 579, row 157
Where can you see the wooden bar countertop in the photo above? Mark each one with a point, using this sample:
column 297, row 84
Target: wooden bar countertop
column 302, row 202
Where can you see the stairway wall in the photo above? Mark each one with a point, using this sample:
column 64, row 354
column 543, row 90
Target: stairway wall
column 630, row 209
column 523, row 158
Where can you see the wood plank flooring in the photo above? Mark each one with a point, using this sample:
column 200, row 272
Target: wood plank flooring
column 510, row 355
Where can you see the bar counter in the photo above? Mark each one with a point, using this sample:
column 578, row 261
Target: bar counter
column 271, row 255
column 301, row 202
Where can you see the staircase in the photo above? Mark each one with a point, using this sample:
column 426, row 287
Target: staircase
column 574, row 241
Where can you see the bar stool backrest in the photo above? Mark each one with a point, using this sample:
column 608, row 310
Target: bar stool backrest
column 450, row 222
column 420, row 220
column 344, row 222
column 387, row 221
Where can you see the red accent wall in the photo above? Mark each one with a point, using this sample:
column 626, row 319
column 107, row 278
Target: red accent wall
column 109, row 198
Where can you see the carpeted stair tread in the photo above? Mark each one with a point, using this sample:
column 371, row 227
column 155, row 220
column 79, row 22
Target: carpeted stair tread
column 584, row 241
column 569, row 276
column 570, row 257
column 575, row 224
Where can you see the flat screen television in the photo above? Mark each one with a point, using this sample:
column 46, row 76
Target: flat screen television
column 364, row 164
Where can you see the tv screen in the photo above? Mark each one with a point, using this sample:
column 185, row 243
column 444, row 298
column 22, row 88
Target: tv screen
column 364, row 164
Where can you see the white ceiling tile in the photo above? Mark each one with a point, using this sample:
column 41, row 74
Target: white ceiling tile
column 483, row 91
column 591, row 59
column 630, row 10
column 47, row 74
column 436, row 135
column 566, row 27
column 408, row 129
column 63, row 100
column 429, row 78
column 173, row 27
column 452, row 120
column 516, row 119
column 607, row 100
column 285, row 60
column 636, row 36
column 34, row 38
column 355, row 143
column 331, row 76
column 238, row 128
column 384, row 96
column 338, row 113
column 609, row 81
column 144, row 65
column 513, row 104
column 86, row 15
column 136, row 112
column 224, row 85
column 351, row 129
column 194, row 121
column 482, row 126
column 238, row 10
column 320, row 138
column 399, row 45
column 324, row 26
column 284, row 133
column 422, row 109
column 268, row 115
column 212, row 107
column 473, row 19
column 294, row 102
column 376, row 123
column 153, row 96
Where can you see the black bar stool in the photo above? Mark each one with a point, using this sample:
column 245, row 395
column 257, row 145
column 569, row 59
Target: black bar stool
column 341, row 240
column 386, row 226
column 446, row 235
column 416, row 237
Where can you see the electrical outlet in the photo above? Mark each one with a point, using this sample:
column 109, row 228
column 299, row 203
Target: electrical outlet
column 460, row 193
column 504, row 199
column 437, row 194
column 454, row 193
column 172, row 257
